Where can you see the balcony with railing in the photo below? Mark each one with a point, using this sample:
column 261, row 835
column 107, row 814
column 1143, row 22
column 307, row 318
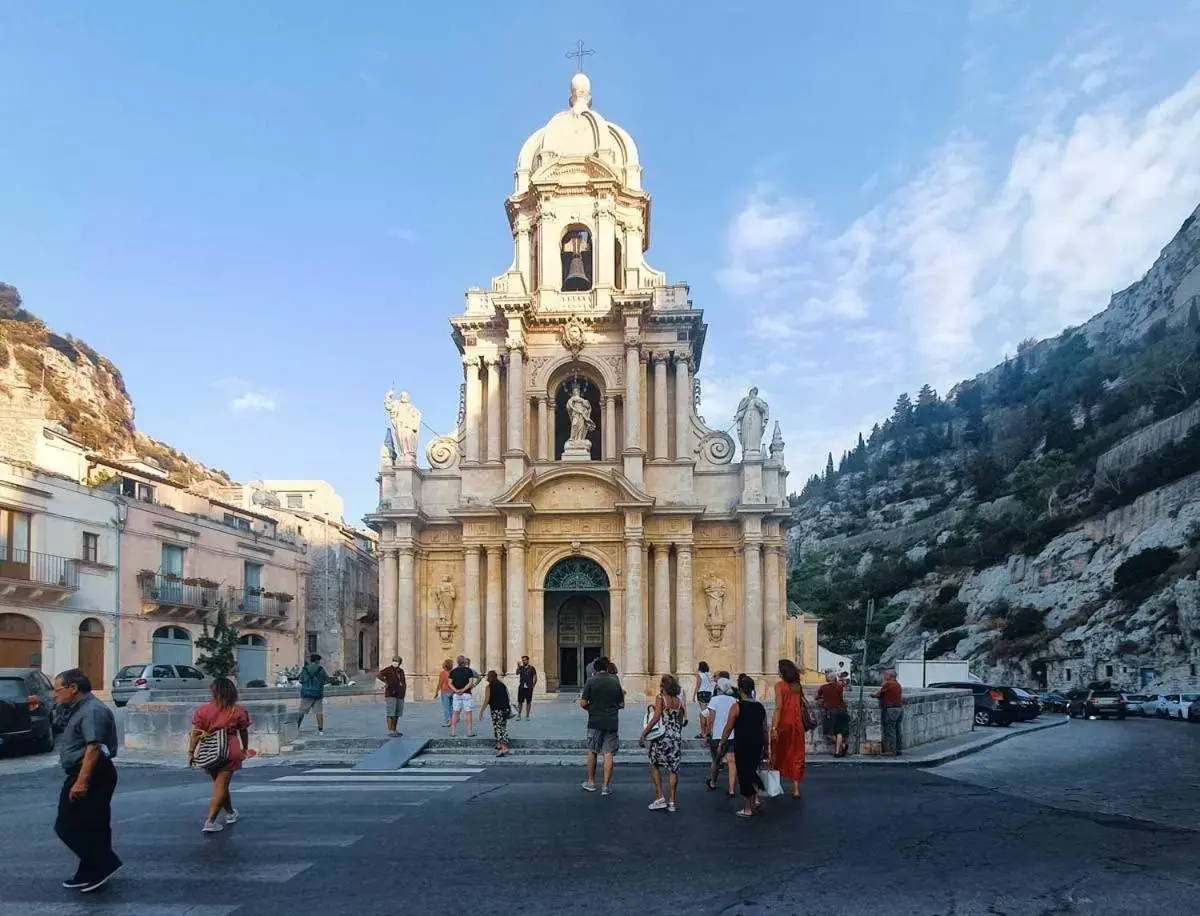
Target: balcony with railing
column 366, row 606
column 259, row 606
column 26, row 575
column 174, row 596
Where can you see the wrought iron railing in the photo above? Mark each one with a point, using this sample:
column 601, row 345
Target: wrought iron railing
column 175, row 591
column 252, row 601
column 38, row 568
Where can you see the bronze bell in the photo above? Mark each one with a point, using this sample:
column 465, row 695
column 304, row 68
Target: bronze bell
column 575, row 271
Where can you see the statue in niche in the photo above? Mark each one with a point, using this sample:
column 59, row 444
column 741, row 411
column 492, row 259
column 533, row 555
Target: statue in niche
column 406, row 424
column 751, row 419
column 714, row 597
column 444, row 596
column 579, row 409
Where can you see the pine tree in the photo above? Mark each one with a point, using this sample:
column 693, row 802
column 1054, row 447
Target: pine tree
column 829, row 472
column 219, row 647
column 862, row 446
column 902, row 413
column 926, row 396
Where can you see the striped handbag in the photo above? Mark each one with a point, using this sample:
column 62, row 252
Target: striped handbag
column 212, row 750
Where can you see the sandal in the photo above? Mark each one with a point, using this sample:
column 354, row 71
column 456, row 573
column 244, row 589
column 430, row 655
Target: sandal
column 741, row 813
column 710, row 785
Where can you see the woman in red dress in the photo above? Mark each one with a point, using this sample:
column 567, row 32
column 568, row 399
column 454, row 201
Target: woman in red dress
column 222, row 712
column 787, row 726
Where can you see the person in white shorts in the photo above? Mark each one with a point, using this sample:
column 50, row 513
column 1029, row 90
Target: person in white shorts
column 462, row 682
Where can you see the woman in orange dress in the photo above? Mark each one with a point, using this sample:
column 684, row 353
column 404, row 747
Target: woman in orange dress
column 787, row 726
column 223, row 712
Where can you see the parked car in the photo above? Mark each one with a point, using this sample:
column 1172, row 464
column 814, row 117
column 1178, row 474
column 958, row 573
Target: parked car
column 1028, row 707
column 133, row 678
column 991, row 705
column 1194, row 712
column 1100, row 704
column 26, row 709
column 1135, row 703
column 1175, row 705
column 1053, row 701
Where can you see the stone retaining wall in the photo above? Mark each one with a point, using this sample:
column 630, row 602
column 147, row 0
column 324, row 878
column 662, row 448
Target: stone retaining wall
column 334, row 696
column 929, row 715
column 163, row 727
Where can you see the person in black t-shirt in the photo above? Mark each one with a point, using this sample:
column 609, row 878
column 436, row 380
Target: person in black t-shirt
column 526, row 681
column 462, row 681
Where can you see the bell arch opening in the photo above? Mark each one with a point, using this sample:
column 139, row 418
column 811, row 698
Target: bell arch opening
column 576, row 615
column 574, row 417
column 576, row 251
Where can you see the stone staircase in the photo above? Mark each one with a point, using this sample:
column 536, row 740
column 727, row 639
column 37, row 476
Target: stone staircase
column 480, row 751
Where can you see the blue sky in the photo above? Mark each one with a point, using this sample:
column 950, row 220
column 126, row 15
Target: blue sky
column 264, row 213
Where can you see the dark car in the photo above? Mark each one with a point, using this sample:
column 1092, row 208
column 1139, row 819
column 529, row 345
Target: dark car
column 26, row 709
column 1194, row 712
column 1027, row 705
column 1100, row 704
column 1053, row 701
column 991, row 706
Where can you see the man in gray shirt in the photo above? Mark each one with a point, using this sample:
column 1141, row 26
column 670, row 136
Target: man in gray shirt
column 87, row 747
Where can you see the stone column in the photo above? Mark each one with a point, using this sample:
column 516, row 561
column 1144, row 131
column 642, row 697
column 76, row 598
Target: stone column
column 516, row 400
column 635, row 662
column 493, row 410
column 633, row 396
column 772, row 613
column 683, row 407
column 470, row 644
column 684, row 638
column 610, row 428
column 474, row 409
column 752, row 623
column 494, row 627
column 660, row 407
column 542, row 446
column 516, row 606
column 406, row 638
column 662, row 610
column 388, row 622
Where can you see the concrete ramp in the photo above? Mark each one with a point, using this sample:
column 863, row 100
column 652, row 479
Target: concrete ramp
column 394, row 755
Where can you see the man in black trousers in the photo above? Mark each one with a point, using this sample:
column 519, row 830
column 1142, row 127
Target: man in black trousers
column 87, row 747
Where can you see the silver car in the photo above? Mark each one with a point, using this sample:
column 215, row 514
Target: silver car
column 135, row 678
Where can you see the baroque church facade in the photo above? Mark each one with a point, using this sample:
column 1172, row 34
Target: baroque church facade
column 581, row 507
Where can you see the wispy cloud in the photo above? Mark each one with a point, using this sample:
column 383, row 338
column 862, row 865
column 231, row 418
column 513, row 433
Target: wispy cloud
column 403, row 234
column 977, row 248
column 252, row 402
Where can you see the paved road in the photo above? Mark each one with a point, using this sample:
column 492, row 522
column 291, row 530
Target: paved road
column 862, row 841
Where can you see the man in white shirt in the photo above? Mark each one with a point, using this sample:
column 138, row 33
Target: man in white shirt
column 723, row 700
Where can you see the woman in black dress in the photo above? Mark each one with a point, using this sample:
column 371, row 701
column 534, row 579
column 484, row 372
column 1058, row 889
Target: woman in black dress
column 495, row 695
column 751, row 741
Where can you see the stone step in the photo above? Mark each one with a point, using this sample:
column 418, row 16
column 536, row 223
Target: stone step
column 450, row 761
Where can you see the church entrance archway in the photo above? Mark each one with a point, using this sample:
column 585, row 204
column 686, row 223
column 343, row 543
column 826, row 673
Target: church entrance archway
column 577, row 610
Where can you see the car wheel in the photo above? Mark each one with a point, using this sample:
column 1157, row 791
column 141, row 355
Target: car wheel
column 119, row 703
column 45, row 744
column 1120, row 717
column 983, row 717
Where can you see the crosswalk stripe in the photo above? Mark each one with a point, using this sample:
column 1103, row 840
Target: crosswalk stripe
column 274, row 815
column 259, row 841
column 471, row 770
column 243, row 873
column 341, row 787
column 116, row 909
column 372, row 777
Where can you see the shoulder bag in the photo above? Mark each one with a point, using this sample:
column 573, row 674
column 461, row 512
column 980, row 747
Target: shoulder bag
column 212, row 750
column 659, row 729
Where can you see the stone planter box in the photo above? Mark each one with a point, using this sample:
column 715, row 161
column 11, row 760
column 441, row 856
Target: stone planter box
column 163, row 727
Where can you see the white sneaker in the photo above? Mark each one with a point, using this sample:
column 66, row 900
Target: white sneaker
column 212, row 827
column 320, row 731
column 231, row 817
column 606, row 791
column 658, row 804
column 588, row 786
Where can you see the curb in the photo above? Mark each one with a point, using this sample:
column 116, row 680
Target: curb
column 954, row 753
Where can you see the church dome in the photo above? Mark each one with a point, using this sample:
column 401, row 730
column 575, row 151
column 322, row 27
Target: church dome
column 579, row 133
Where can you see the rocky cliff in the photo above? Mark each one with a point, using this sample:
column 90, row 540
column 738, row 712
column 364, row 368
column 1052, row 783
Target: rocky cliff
column 1043, row 519
column 45, row 376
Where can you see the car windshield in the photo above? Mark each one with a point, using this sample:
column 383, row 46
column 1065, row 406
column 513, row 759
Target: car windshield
column 12, row 688
column 1191, row 697
column 1106, row 693
column 1021, row 693
column 131, row 671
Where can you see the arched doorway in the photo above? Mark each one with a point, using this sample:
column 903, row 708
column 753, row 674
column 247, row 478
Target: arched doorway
column 171, row 646
column 91, row 651
column 576, row 616
column 251, row 659
column 20, row 642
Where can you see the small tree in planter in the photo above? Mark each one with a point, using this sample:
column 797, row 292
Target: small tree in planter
column 219, row 647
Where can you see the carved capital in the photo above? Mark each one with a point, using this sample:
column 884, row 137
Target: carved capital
column 472, row 362
column 683, row 359
column 660, row 357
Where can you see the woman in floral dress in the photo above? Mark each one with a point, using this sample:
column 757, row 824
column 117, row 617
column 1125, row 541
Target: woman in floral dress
column 495, row 697
column 665, row 752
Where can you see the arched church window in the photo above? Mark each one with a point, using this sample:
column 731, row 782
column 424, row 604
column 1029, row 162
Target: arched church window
column 579, row 419
column 576, row 260
column 576, row 574
column 618, row 267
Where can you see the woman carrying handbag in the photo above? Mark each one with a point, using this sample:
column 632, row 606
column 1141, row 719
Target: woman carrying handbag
column 791, row 719
column 218, row 744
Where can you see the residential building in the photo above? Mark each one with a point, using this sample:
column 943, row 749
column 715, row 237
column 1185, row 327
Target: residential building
column 184, row 554
column 342, row 623
column 59, row 550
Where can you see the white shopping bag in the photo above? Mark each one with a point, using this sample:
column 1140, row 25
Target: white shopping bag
column 770, row 779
